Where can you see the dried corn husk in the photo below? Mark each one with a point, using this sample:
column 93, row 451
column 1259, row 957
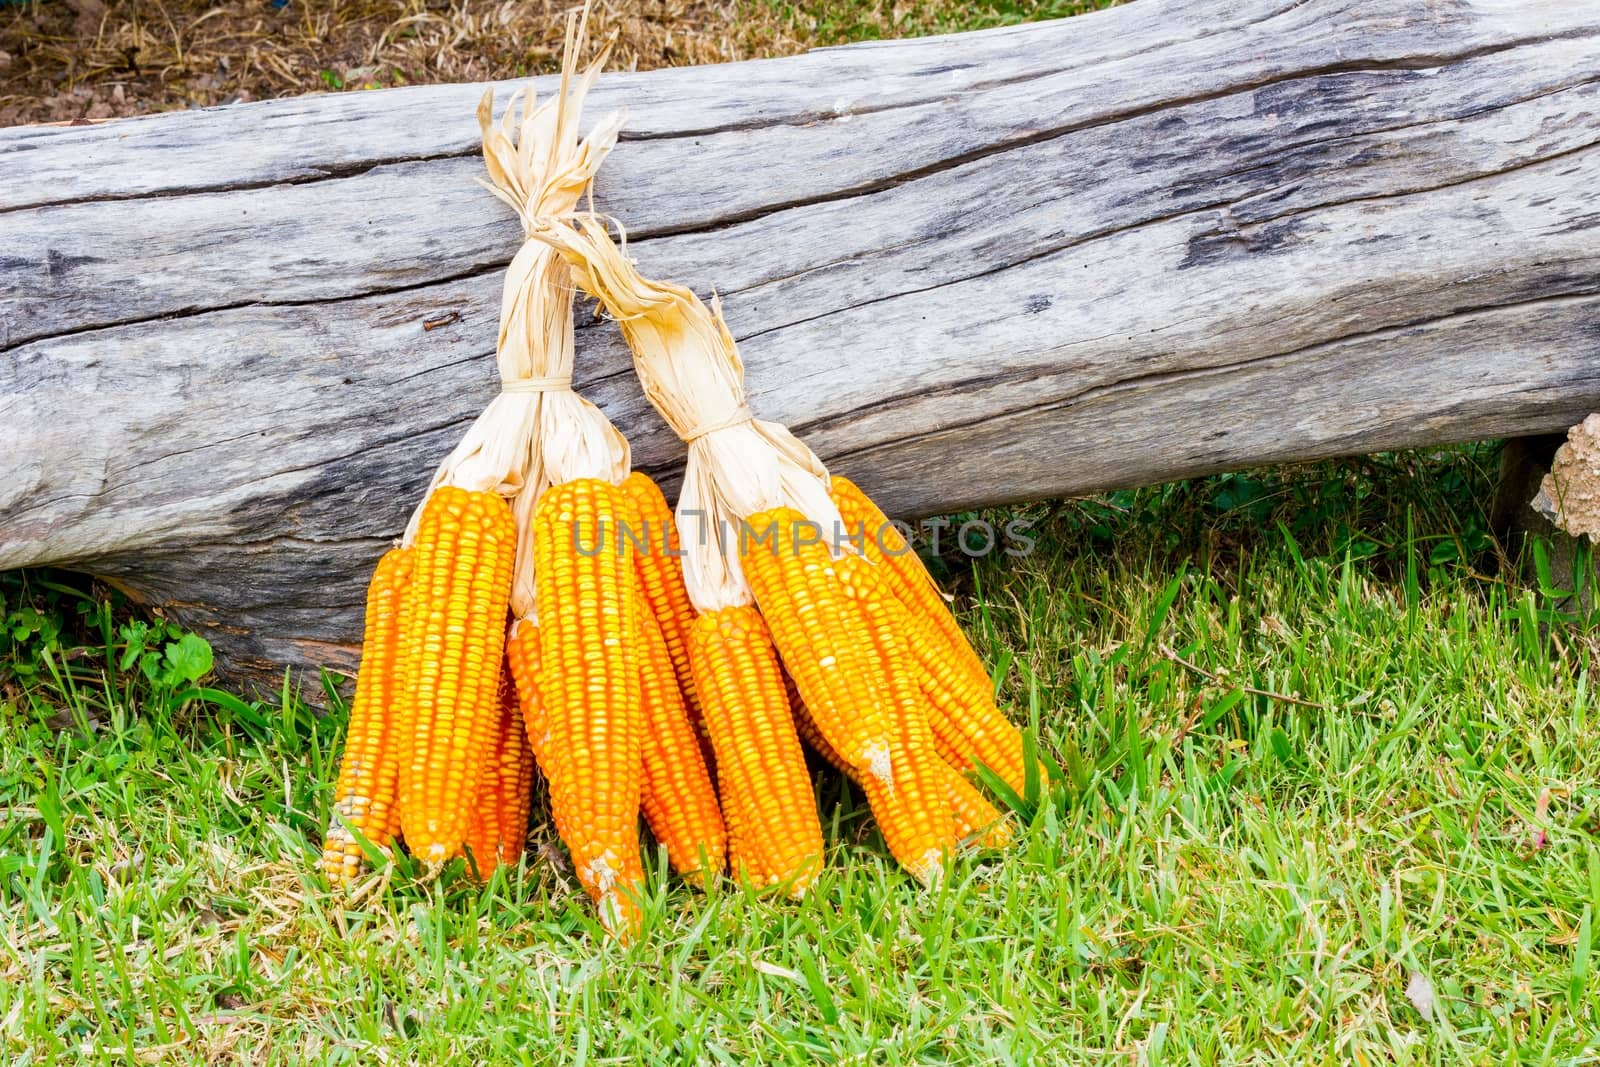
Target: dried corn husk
column 687, row 361
column 537, row 432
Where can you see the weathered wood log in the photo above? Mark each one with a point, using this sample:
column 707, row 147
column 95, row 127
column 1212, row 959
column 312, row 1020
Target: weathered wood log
column 1172, row 238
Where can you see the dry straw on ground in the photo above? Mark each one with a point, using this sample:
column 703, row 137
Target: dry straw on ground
column 65, row 60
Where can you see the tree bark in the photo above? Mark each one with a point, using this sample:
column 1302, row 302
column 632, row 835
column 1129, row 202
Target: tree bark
column 1173, row 238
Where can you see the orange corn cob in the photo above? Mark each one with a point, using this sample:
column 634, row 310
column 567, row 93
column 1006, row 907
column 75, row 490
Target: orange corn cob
column 498, row 828
column 660, row 568
column 679, row 801
column 589, row 678
column 975, row 816
column 806, row 728
column 522, row 657
column 838, row 672
column 364, row 799
column 774, row 834
column 914, row 810
column 973, row 813
column 453, row 631
column 966, row 724
column 903, row 570
column 741, row 867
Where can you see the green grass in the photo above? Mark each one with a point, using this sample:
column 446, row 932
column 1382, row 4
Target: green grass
column 1224, row 876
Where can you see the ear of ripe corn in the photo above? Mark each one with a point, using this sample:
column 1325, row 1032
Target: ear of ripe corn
column 365, row 797
column 775, row 836
column 453, row 631
column 743, row 869
column 498, row 827
column 660, row 567
column 973, row 813
column 903, row 571
column 975, row 816
column 589, row 678
column 837, row 670
column 679, row 801
column 967, row 726
column 914, row 810
column 522, row 658
column 806, row 728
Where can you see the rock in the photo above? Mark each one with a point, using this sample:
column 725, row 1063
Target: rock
column 1569, row 496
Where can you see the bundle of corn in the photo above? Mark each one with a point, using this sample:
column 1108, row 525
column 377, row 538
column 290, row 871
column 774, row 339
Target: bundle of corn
column 601, row 694
column 794, row 570
column 636, row 684
column 436, row 752
column 593, row 680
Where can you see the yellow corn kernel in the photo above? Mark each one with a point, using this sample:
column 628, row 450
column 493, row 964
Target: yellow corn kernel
column 775, row 837
column 679, row 801
column 498, row 827
column 453, row 631
column 838, row 672
column 522, row 658
column 365, row 796
column 589, row 678
column 660, row 567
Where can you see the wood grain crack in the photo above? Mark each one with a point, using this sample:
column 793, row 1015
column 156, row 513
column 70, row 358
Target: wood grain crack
column 1156, row 220
column 324, row 173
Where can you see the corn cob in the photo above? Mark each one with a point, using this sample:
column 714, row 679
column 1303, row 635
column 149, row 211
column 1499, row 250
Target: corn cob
column 974, row 815
column 967, row 726
column 364, row 799
column 454, row 638
column 679, row 801
column 522, row 658
column 882, row 543
column 913, row 811
column 838, row 673
column 806, row 728
column 745, row 870
column 774, row 834
column 498, row 827
column 589, row 678
column 661, row 575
